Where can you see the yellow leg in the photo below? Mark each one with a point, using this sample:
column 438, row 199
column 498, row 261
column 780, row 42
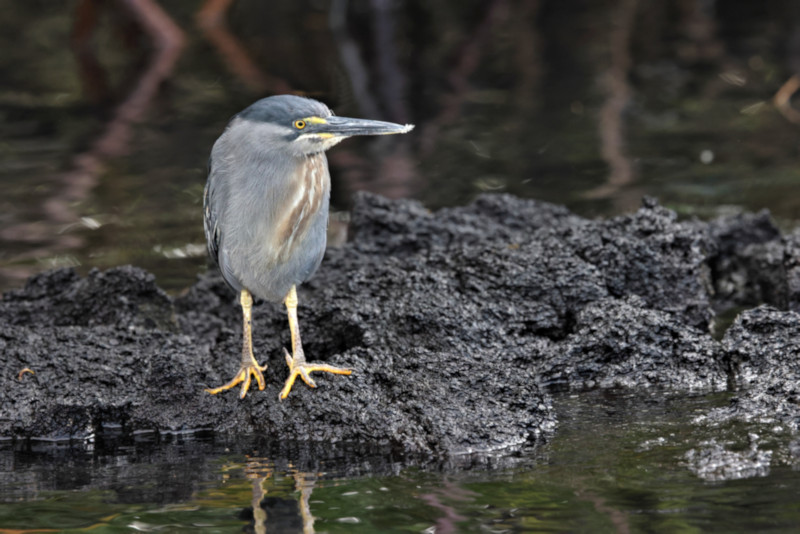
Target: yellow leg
column 297, row 360
column 250, row 367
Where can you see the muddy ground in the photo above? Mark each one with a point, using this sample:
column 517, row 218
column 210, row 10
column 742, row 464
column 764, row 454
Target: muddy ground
column 458, row 325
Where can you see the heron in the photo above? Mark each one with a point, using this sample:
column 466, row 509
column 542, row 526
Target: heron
column 265, row 208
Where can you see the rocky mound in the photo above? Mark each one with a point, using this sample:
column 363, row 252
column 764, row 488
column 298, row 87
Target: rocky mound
column 456, row 323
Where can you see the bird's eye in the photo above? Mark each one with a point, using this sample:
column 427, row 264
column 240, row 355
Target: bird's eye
column 299, row 124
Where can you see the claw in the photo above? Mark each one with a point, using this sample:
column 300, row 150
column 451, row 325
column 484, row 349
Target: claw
column 245, row 375
column 299, row 367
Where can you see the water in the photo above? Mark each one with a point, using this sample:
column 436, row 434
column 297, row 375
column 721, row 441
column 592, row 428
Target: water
column 588, row 104
column 591, row 104
column 616, row 464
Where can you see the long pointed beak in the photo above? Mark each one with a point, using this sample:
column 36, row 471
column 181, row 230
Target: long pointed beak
column 347, row 127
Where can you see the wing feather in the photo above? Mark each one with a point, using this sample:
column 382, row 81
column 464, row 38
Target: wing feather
column 210, row 216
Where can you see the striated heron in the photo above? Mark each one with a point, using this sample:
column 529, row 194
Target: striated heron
column 266, row 212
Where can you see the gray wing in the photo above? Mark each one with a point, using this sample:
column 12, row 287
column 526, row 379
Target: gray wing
column 210, row 216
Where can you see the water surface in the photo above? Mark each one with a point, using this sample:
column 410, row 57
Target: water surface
column 591, row 104
column 616, row 464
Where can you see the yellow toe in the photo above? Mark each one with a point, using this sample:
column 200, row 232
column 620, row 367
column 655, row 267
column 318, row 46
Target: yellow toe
column 304, row 370
column 245, row 374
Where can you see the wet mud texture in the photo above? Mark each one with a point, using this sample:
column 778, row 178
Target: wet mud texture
column 456, row 324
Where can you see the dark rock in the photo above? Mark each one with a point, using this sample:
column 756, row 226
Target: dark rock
column 651, row 255
column 122, row 296
column 749, row 264
column 454, row 322
column 624, row 344
column 763, row 352
column 713, row 462
column 792, row 270
column 763, row 345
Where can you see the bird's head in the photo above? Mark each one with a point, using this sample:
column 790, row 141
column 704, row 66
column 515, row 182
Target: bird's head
column 302, row 126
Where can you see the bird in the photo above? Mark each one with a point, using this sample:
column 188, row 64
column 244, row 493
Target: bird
column 265, row 213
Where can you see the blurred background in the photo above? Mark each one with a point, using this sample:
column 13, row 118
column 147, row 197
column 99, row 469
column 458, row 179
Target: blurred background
column 109, row 109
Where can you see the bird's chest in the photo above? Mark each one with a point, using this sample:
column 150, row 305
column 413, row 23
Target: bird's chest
column 306, row 206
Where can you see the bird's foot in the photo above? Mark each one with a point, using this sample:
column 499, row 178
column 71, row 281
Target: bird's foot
column 246, row 373
column 298, row 366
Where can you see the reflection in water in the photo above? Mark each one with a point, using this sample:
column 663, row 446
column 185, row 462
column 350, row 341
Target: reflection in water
column 166, row 40
column 449, row 492
column 783, row 98
column 211, row 20
column 279, row 514
column 75, row 186
column 586, row 104
column 612, row 136
column 617, row 464
column 381, row 93
column 468, row 60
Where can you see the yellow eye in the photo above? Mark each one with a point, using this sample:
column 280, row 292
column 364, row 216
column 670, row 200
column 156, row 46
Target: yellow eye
column 299, row 124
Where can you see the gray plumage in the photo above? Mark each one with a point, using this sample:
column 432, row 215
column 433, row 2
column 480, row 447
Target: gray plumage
column 265, row 213
column 257, row 198
column 266, row 201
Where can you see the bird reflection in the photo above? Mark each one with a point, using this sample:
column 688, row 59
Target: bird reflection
column 277, row 513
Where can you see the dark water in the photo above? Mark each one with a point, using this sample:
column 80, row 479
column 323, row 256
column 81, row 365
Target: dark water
column 617, row 464
column 591, row 104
